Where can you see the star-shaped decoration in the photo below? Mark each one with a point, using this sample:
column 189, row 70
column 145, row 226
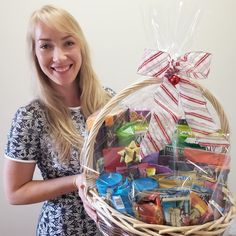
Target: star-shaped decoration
column 130, row 154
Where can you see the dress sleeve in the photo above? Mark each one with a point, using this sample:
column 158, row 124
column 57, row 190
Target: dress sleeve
column 23, row 142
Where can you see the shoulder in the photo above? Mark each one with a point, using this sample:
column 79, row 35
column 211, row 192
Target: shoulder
column 23, row 138
column 32, row 113
column 110, row 91
column 34, row 108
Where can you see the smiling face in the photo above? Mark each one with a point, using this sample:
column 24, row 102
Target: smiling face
column 58, row 55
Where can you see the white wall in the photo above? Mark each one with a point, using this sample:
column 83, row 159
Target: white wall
column 117, row 36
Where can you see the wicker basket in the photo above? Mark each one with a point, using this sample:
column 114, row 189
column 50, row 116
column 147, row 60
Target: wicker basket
column 112, row 222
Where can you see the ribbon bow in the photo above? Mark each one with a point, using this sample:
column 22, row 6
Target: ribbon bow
column 174, row 102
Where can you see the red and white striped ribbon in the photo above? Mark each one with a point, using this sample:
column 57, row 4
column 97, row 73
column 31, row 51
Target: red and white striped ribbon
column 175, row 102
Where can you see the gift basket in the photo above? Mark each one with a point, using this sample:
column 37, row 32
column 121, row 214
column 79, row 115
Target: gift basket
column 157, row 156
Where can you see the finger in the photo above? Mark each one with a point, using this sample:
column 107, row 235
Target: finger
column 84, row 199
column 80, row 180
column 81, row 194
column 88, row 205
column 92, row 214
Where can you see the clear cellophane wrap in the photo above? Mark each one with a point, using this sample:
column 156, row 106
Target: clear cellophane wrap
column 159, row 152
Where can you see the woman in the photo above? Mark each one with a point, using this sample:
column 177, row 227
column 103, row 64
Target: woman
column 49, row 131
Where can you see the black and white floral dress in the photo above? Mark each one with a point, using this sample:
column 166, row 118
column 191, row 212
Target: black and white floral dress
column 29, row 141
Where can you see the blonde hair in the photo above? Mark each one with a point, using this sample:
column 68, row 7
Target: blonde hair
column 58, row 114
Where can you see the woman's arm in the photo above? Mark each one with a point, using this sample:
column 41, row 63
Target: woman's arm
column 20, row 188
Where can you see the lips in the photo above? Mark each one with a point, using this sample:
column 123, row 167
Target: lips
column 61, row 69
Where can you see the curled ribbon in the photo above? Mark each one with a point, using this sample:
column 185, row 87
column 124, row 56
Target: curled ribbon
column 173, row 102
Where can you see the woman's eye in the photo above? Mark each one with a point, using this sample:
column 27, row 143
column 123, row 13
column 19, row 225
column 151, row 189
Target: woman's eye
column 45, row 46
column 69, row 43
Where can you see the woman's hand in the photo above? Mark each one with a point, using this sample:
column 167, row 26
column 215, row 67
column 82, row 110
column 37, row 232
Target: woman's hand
column 80, row 183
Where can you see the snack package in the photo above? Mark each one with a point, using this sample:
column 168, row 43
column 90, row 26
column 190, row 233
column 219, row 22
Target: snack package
column 166, row 140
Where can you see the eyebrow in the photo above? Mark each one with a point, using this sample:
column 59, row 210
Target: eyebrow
column 46, row 39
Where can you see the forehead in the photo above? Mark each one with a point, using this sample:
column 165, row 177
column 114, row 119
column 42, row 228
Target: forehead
column 43, row 31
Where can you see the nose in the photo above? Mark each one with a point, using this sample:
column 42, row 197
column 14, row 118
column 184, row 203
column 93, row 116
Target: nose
column 58, row 54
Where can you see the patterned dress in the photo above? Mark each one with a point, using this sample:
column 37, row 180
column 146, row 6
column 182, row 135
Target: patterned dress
column 29, row 141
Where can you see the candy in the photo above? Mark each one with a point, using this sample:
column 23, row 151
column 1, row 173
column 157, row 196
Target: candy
column 120, row 198
column 106, row 181
column 144, row 184
column 112, row 158
column 149, row 209
column 131, row 131
column 211, row 158
column 176, row 207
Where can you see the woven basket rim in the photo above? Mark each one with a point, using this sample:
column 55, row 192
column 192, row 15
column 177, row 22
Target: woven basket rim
column 129, row 224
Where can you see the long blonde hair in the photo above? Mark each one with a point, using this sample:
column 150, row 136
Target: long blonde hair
column 58, row 114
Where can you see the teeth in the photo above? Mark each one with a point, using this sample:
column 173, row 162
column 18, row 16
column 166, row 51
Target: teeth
column 61, row 69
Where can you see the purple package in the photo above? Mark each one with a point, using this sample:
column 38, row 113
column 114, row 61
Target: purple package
column 165, row 160
column 161, row 169
column 152, row 158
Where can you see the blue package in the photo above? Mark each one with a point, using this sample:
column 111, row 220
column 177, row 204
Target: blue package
column 107, row 181
column 144, row 184
column 121, row 199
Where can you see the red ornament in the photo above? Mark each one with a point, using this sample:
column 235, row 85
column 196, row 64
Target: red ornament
column 174, row 79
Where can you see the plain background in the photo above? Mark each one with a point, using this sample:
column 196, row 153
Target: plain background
column 117, row 32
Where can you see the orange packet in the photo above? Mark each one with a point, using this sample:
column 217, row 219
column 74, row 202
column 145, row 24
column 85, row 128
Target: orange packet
column 206, row 157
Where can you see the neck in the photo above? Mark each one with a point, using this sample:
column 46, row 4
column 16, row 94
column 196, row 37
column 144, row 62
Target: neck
column 72, row 101
column 70, row 94
column 72, row 97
